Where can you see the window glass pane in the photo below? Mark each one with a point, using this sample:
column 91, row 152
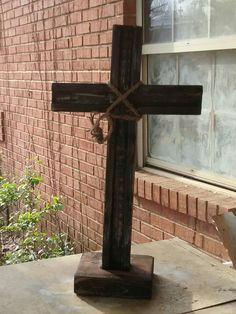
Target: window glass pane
column 163, row 129
column 158, row 21
column 196, row 69
column 225, row 81
column 195, row 144
column 191, row 19
column 223, row 17
column 225, row 113
column 225, row 144
column 164, row 138
column 206, row 142
column 162, row 69
column 182, row 140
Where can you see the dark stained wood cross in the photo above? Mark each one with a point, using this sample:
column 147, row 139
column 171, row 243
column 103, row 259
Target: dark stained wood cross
column 134, row 273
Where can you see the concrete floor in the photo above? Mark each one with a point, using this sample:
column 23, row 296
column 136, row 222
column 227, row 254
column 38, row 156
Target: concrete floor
column 186, row 280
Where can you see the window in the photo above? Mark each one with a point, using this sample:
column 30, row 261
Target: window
column 193, row 42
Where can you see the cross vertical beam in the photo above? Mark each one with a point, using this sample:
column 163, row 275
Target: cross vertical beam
column 125, row 72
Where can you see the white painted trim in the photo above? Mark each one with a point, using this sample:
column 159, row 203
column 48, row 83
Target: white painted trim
column 145, row 139
column 141, row 129
column 139, row 14
column 140, row 144
column 194, row 45
column 191, row 45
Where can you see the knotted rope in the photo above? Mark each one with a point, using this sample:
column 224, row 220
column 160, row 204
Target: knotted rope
column 96, row 130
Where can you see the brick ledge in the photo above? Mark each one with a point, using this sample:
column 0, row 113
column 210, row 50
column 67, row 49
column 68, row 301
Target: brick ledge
column 185, row 198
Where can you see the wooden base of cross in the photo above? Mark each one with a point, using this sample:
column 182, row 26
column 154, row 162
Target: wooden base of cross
column 92, row 280
column 115, row 272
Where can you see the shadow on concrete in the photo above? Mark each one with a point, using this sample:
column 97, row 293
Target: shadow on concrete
column 168, row 298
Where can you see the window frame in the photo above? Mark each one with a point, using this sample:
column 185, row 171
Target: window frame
column 194, row 45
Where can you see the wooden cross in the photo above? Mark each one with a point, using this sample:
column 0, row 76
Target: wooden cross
column 121, row 148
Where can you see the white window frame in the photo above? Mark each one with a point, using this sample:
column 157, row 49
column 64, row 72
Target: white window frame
column 194, row 45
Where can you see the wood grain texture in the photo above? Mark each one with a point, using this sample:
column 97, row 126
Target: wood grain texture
column 125, row 71
column 91, row 279
column 147, row 99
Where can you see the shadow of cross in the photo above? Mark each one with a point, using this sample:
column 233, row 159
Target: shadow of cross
column 121, row 147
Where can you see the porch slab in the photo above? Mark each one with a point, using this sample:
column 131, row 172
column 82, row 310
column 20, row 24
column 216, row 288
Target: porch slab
column 185, row 280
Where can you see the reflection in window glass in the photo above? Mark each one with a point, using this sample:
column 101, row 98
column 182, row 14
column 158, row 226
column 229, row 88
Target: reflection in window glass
column 158, row 21
column 163, row 138
column 162, row 69
column 225, row 113
column 225, row 81
column 225, row 143
column 196, row 69
column 190, row 19
column 181, row 140
column 195, row 141
column 223, row 17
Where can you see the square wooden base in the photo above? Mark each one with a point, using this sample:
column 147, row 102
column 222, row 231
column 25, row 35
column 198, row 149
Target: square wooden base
column 91, row 280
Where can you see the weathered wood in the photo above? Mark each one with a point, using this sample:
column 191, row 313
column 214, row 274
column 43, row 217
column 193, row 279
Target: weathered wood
column 125, row 71
column 147, row 99
column 91, row 279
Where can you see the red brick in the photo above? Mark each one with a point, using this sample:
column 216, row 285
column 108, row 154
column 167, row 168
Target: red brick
column 184, row 233
column 91, row 14
column 151, row 232
column 214, row 247
column 149, row 205
column 141, row 189
column 211, row 211
column 2, row 133
column 206, row 228
column 138, row 237
column 162, row 223
column 192, row 206
column 182, row 202
column 135, row 186
column 168, row 236
column 136, row 201
column 165, row 199
column 95, row 3
column 156, row 193
column 198, row 240
column 136, row 224
column 130, row 7
column 148, row 190
column 201, row 209
column 141, row 214
column 173, row 200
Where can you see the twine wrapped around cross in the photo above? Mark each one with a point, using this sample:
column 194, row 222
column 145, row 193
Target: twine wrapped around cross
column 96, row 131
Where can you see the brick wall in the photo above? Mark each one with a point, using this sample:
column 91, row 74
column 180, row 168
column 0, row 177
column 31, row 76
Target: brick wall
column 66, row 41
column 70, row 41
column 166, row 208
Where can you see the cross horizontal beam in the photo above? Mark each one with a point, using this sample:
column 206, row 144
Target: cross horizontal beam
column 147, row 99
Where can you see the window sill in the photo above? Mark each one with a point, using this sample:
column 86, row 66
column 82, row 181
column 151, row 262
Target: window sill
column 166, row 207
column 184, row 195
